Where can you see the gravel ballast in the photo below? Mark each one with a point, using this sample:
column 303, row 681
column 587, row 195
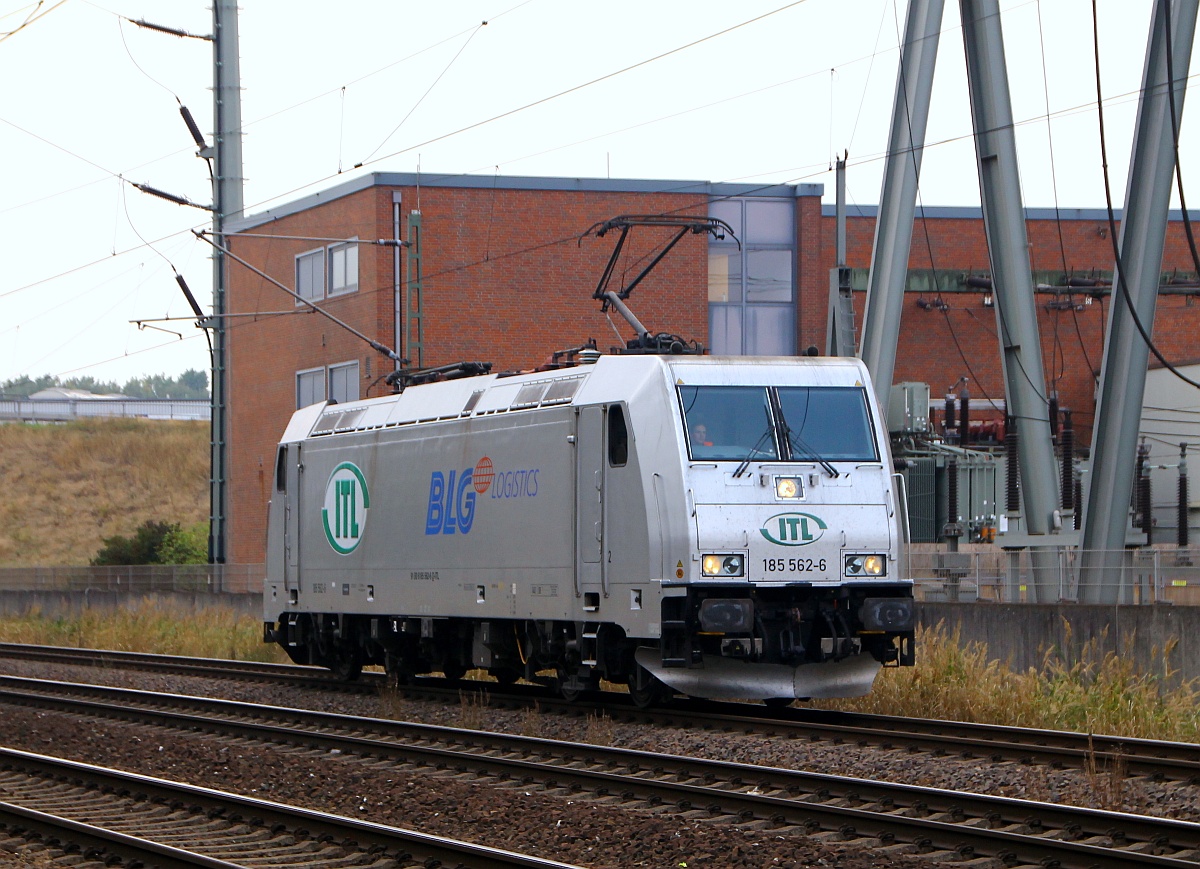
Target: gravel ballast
column 572, row 828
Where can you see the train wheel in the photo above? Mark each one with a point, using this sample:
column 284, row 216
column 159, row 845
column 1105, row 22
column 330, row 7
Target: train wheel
column 572, row 686
column 779, row 702
column 347, row 667
column 453, row 670
column 646, row 691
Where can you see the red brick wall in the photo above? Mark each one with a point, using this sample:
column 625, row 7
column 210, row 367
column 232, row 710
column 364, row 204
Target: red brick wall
column 937, row 347
column 505, row 280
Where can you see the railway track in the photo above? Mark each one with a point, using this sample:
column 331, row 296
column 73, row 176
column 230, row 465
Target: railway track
column 106, row 816
column 950, row 825
column 1157, row 760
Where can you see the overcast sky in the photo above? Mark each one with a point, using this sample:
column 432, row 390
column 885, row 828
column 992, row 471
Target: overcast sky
column 759, row 91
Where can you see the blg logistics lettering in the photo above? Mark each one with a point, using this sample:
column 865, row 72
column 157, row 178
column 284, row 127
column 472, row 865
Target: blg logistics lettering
column 452, row 494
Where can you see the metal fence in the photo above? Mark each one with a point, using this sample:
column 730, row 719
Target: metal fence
column 65, row 409
column 1135, row 576
column 1145, row 576
column 138, row 579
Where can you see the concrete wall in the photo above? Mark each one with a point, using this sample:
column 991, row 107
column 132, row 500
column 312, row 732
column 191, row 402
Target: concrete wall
column 58, row 604
column 1021, row 635
column 1018, row 635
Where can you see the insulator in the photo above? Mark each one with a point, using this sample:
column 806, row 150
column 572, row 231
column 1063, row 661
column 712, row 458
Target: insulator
column 950, row 425
column 1182, row 518
column 1143, row 490
column 193, row 128
column 1068, row 462
column 964, row 416
column 1013, row 503
column 1079, row 499
column 1054, row 418
column 952, row 491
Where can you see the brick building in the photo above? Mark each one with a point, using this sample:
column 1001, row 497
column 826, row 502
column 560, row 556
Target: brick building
column 502, row 274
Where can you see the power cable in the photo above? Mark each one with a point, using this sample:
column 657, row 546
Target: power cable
column 1187, row 221
column 428, row 91
column 1062, row 248
column 588, row 84
column 1112, row 223
column 912, row 148
column 34, row 15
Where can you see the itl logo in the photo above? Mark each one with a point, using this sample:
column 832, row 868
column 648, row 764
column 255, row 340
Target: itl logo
column 793, row 529
column 344, row 514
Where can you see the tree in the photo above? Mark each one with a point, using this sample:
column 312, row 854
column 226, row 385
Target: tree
column 185, row 545
column 191, row 384
column 157, row 543
column 23, row 386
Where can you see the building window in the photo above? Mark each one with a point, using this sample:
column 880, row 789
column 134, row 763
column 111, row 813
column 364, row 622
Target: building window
column 343, row 382
column 752, row 291
column 343, row 268
column 310, row 275
column 310, row 387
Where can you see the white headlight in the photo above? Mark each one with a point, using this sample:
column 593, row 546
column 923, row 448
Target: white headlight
column 866, row 565
column 788, row 488
column 723, row 565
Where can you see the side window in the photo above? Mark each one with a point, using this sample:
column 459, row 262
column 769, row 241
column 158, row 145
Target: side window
column 618, row 436
column 343, row 382
column 281, row 470
column 310, row 387
column 310, row 275
column 343, row 268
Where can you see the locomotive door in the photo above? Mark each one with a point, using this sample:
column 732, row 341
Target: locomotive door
column 291, row 517
column 589, row 503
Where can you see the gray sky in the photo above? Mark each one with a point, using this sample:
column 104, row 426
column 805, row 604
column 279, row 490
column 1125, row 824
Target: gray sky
column 751, row 91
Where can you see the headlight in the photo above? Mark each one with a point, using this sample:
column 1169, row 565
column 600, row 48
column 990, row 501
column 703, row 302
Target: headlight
column 866, row 565
column 789, row 488
column 727, row 616
column 723, row 565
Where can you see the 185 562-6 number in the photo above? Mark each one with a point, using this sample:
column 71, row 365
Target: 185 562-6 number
column 793, row 565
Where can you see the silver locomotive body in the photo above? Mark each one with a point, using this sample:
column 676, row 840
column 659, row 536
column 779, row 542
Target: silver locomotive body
column 720, row 527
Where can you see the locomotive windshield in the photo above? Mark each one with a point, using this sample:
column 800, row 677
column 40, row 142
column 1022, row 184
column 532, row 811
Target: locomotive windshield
column 727, row 423
column 828, row 422
column 757, row 423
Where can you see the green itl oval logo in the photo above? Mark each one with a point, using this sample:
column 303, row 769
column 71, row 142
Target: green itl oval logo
column 793, row 529
column 346, row 503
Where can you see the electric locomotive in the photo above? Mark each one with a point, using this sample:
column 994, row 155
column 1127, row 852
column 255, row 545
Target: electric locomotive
column 721, row 527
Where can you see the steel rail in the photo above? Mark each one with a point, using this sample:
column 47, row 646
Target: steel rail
column 92, row 839
column 932, row 818
column 72, row 779
column 1156, row 759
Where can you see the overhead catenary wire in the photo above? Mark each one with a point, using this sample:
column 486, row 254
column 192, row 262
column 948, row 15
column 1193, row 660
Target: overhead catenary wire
column 420, row 99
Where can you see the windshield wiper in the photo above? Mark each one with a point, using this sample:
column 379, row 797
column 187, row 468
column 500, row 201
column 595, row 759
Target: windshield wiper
column 797, row 443
column 741, row 469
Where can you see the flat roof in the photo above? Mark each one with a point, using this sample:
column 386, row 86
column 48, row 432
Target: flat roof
column 972, row 212
column 523, row 182
column 635, row 185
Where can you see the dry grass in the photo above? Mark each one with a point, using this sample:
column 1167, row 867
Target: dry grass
column 1088, row 693
column 472, row 710
column 63, row 488
column 207, row 632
